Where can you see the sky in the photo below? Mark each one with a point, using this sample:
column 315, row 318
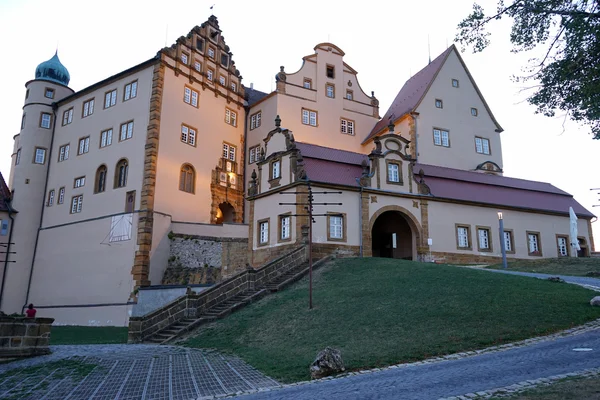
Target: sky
column 386, row 42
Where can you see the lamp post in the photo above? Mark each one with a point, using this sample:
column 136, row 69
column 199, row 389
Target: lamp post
column 502, row 242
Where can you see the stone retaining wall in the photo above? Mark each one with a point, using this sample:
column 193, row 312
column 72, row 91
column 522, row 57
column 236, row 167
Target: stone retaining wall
column 24, row 337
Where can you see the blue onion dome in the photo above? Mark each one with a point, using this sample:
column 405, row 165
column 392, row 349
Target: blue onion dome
column 53, row 71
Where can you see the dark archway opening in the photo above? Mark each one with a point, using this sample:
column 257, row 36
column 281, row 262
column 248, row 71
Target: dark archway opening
column 392, row 236
column 225, row 213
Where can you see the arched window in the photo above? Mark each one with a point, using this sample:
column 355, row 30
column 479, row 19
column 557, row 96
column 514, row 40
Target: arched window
column 187, row 178
column 121, row 173
column 100, row 182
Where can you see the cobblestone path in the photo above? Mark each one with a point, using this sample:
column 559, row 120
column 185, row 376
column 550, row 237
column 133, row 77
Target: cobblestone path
column 124, row 372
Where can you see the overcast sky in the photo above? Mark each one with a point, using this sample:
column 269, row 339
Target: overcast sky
column 384, row 41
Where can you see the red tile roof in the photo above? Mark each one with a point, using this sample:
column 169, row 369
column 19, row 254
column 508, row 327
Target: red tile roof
column 4, row 193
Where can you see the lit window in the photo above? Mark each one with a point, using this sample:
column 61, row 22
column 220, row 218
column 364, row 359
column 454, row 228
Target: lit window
column 79, row 182
column 130, row 91
column 190, row 96
column 110, row 98
column 255, row 120
column 561, row 242
column 46, row 120
column 263, row 232
column 49, row 93
column 276, row 170
column 336, row 227
column 285, row 227
column 50, row 198
column 455, row 83
column 61, row 195
column 347, row 126
column 188, row 135
column 229, row 151
column 441, row 138
column 40, row 156
column 76, row 204
column 474, row 111
column 186, row 178
column 462, row 233
column 482, row 146
column 126, row 131
column 106, row 138
column 439, row 103
column 84, row 145
column 349, row 95
column 230, row 117
column 309, row 117
column 88, row 108
column 63, row 152
column 254, row 154
column 307, row 83
column 67, row 116
column 393, row 173
column 483, row 238
column 330, row 91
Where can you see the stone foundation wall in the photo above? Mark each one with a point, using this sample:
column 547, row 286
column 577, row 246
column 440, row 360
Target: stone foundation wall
column 456, row 258
column 262, row 256
column 24, row 337
column 321, row 250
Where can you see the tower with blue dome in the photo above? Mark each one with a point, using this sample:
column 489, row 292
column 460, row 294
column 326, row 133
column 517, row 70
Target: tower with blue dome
column 53, row 71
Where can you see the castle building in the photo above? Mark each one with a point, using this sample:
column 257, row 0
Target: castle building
column 108, row 182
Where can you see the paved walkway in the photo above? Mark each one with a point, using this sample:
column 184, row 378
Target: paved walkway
column 592, row 283
column 128, row 372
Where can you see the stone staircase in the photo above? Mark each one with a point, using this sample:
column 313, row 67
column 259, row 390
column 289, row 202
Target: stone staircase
column 224, row 308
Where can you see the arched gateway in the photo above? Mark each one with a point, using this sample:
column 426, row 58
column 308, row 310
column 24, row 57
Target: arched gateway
column 395, row 233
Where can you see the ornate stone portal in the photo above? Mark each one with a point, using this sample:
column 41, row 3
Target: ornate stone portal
column 227, row 193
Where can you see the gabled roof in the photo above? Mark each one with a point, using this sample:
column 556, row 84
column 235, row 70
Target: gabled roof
column 413, row 91
column 253, row 96
column 330, row 154
column 4, row 194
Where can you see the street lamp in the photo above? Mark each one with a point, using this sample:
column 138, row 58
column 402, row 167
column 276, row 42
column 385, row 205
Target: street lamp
column 502, row 242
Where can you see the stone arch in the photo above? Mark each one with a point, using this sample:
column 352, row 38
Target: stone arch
column 226, row 213
column 413, row 223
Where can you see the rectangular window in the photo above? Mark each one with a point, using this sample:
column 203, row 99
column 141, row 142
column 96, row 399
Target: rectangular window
column 533, row 244
column 347, row 126
column 284, row 227
column 130, row 91
column 40, row 156
column 61, row 195
column 224, row 60
column 439, row 103
column 309, row 117
column 79, row 182
column 126, row 131
column 67, row 116
column 263, row 229
column 474, row 111
column 110, row 98
column 255, row 120
column 455, row 83
column 49, row 93
column 276, row 169
column 349, row 95
column 393, row 173
column 483, row 239
column 76, row 204
column 184, row 58
column 330, row 91
column 106, row 138
column 233, row 87
column 228, row 151
column 190, row 96
column 463, row 237
column 336, row 227
column 18, row 157
column 482, row 145
column 199, row 44
column 63, row 153
column 50, row 198
column 441, row 138
column 230, row 117
column 209, row 74
column 3, row 227
column 254, row 154
column 222, row 80
column 307, row 83
column 84, row 145
column 23, row 121
column 330, row 71
column 562, row 246
column 198, row 66
column 46, row 120
column 188, row 135
column 88, row 108
column 508, row 242
column 211, row 52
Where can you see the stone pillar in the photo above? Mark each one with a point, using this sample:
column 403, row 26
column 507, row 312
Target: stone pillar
column 367, row 240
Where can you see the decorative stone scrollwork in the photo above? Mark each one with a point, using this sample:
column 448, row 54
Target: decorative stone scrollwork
column 253, row 188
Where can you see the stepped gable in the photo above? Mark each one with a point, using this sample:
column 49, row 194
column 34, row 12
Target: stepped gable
column 4, row 194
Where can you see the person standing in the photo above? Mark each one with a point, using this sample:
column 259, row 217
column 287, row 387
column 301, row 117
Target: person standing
column 30, row 312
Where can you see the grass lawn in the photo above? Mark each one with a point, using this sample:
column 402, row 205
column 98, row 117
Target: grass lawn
column 381, row 311
column 88, row 335
column 588, row 266
column 567, row 389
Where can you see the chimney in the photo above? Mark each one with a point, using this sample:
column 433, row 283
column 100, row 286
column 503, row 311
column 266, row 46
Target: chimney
column 251, row 85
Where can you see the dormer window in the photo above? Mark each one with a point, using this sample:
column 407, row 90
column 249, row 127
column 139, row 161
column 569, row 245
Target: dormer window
column 439, row 103
column 199, row 44
column 330, row 71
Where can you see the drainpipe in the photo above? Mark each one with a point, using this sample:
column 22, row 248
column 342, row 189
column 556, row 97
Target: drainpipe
column 37, row 237
column 360, row 209
column 247, row 109
column 10, row 233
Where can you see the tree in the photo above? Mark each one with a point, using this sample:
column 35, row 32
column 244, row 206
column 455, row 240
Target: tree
column 567, row 33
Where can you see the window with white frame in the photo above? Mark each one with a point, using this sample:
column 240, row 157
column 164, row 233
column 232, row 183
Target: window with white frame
column 184, row 58
column 276, row 169
column 110, row 98
column 46, row 120
column 229, row 151
column 79, row 182
column 330, row 91
column 126, row 131
column 76, row 204
column 508, row 241
column 211, row 52
column 336, row 227
column 285, row 223
column 439, row 103
column 255, row 120
column 49, row 93
column 84, row 145
column 130, row 90
column 561, row 242
column 198, row 66
column 263, row 228
column 441, row 137
column 40, row 156
column 393, row 172
column 483, row 239
column 188, row 135
column 209, row 74
column 349, row 95
column 106, row 138
column 347, row 126
column 462, row 235
column 533, row 243
column 50, row 198
column 474, row 112
column 67, row 116
column 190, row 96
column 63, row 152
column 307, row 83
column 61, row 195
column 253, row 154
column 88, row 108
column 233, row 86
column 222, row 80
column 482, row 145
column 230, row 117
column 309, row 117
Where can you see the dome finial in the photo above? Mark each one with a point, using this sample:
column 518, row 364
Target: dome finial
column 53, row 71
